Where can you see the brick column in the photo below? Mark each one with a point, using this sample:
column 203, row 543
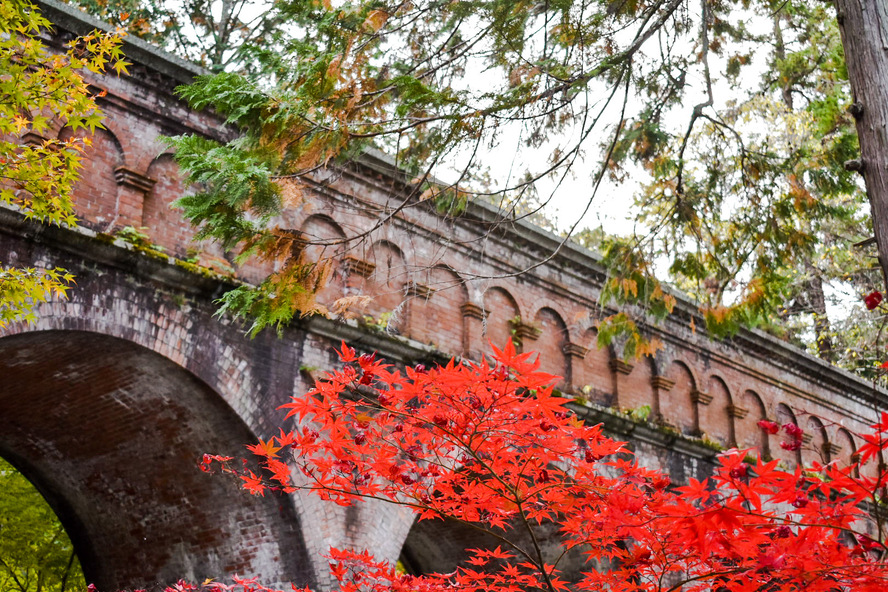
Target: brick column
column 575, row 355
column 735, row 413
column 356, row 271
column 132, row 189
column 619, row 368
column 831, row 451
column 472, row 330
column 523, row 332
column 659, row 384
column 698, row 398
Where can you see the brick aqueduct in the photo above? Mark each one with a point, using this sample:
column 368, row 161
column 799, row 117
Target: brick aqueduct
column 109, row 398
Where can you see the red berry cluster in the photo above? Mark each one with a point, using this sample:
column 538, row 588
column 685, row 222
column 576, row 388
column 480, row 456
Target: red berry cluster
column 872, row 300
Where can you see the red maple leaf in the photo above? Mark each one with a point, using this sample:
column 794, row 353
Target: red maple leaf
column 267, row 449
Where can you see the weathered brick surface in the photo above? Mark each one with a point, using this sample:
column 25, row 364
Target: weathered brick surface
column 111, row 431
column 108, row 399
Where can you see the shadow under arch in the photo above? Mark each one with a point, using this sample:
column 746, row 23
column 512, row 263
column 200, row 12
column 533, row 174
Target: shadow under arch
column 441, row 545
column 111, row 434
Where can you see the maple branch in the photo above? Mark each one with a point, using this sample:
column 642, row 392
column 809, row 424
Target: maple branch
column 415, row 506
column 541, row 563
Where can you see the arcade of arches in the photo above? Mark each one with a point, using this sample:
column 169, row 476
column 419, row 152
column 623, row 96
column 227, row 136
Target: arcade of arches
column 109, row 400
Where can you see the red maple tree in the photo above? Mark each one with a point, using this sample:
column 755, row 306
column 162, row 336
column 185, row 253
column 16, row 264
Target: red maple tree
column 490, row 445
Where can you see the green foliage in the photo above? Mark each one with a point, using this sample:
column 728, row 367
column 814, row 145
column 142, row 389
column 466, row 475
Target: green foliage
column 35, row 552
column 22, row 289
column 639, row 414
column 757, row 211
column 37, row 89
column 745, row 201
column 631, row 283
column 282, row 296
column 137, row 238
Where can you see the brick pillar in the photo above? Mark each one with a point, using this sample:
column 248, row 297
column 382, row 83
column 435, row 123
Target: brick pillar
column 621, row 369
column 356, row 272
column 132, row 188
column 412, row 291
column 660, row 384
column 698, row 398
column 523, row 332
column 575, row 354
column 735, row 413
column 472, row 330
column 831, row 451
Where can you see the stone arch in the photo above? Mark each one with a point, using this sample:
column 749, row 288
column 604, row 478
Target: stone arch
column 746, row 428
column 500, row 310
column 598, row 385
column 714, row 411
column 550, row 344
column 160, row 326
column 785, row 415
column 96, row 194
column 436, row 297
column 676, row 404
column 165, row 225
column 111, row 432
column 817, row 449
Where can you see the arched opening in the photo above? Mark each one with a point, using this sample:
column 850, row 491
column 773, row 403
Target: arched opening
column 716, row 420
column 95, row 194
column 749, row 434
column 442, row 545
column 600, row 384
column 436, row 295
column 386, row 285
column 166, row 225
column 550, row 344
column 792, row 457
column 36, row 554
column 319, row 230
column 500, row 310
column 111, row 433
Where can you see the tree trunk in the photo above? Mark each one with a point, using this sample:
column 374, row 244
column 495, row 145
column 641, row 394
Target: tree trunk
column 864, row 27
column 821, row 319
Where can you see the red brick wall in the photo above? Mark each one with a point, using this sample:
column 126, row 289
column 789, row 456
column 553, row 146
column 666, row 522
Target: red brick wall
column 715, row 420
column 165, row 224
column 676, row 405
column 435, row 310
column 96, row 195
column 452, row 284
column 500, row 309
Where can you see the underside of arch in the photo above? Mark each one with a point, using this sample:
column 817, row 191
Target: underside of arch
column 440, row 546
column 111, row 433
